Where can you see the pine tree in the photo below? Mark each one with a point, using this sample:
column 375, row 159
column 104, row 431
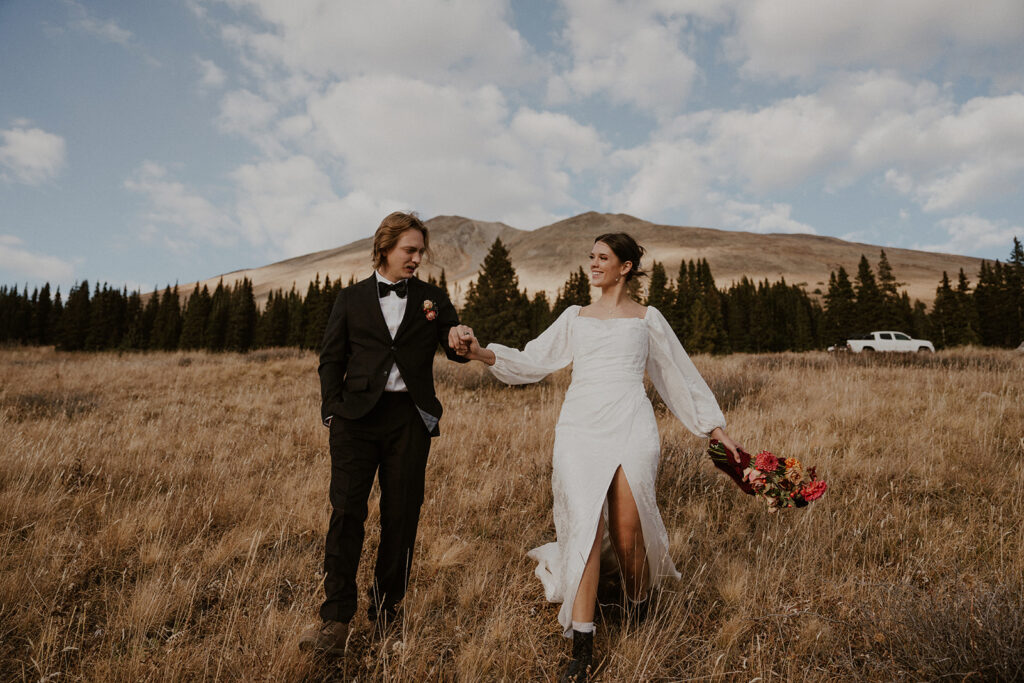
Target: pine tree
column 98, row 320
column 215, row 336
column 195, row 319
column 134, row 337
column 14, row 323
column 702, row 333
column 241, row 329
column 987, row 304
column 966, row 314
column 762, row 320
column 659, row 291
column 891, row 314
column 943, row 315
column 296, row 319
column 1013, row 287
column 868, row 296
column 687, row 291
column 107, row 319
column 540, row 313
column 442, row 282
column 42, row 313
column 75, row 321
column 740, row 305
column 493, row 303
column 840, row 320
column 920, row 323
column 712, row 300
column 575, row 292
column 318, row 310
column 272, row 326
column 167, row 324
column 56, row 314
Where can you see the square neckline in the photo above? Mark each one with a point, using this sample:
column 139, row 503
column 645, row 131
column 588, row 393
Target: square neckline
column 579, row 310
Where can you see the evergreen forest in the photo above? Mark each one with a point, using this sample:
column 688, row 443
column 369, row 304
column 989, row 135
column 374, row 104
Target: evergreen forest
column 747, row 316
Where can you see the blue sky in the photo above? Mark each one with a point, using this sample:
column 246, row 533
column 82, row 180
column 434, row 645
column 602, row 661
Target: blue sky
column 147, row 143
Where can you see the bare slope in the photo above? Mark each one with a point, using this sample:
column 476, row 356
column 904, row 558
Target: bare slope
column 544, row 257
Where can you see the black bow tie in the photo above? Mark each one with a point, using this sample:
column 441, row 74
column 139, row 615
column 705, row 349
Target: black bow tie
column 400, row 289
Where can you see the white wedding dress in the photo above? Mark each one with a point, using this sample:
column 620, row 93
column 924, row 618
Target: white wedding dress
column 607, row 422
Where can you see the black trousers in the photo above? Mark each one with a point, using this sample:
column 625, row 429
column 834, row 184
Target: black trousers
column 392, row 442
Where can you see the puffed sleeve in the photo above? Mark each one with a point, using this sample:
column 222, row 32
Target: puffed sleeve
column 540, row 357
column 676, row 378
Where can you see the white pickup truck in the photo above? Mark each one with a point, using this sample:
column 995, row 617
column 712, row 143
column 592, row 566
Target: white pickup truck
column 888, row 341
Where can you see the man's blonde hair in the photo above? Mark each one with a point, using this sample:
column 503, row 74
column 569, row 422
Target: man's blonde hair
column 391, row 228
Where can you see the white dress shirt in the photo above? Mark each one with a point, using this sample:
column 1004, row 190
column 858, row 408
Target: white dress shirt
column 393, row 308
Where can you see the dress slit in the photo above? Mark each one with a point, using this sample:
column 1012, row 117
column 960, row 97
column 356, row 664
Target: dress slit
column 645, row 529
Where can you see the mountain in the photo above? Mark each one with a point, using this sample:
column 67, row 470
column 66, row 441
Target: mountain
column 544, row 257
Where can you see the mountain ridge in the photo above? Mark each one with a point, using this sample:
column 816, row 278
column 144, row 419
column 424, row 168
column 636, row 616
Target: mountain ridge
column 544, row 257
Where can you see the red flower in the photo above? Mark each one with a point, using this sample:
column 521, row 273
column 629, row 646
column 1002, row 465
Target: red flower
column 813, row 490
column 766, row 462
column 431, row 314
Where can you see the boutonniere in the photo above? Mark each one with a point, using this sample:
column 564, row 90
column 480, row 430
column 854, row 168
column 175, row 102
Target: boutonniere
column 428, row 309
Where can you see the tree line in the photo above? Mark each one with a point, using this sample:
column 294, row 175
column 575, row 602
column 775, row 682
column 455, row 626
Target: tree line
column 747, row 316
column 762, row 316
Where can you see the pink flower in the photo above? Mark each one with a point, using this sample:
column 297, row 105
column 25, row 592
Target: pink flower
column 813, row 490
column 431, row 314
column 766, row 462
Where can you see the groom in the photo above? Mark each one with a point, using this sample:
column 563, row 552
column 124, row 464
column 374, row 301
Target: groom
column 377, row 388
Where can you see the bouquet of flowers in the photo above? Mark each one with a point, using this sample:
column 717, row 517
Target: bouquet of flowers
column 782, row 483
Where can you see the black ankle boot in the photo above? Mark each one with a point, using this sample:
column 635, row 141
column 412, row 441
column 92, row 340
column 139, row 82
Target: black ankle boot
column 582, row 663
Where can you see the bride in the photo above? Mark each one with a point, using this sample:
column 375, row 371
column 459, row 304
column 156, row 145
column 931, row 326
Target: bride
column 606, row 441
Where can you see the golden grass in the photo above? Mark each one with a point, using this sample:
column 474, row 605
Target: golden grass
column 162, row 518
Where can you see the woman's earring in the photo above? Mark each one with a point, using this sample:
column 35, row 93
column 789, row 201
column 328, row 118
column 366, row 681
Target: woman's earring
column 618, row 278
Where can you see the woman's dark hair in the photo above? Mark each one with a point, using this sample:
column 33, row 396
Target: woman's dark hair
column 626, row 248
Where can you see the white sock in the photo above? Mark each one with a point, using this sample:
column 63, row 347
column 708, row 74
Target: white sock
column 583, row 626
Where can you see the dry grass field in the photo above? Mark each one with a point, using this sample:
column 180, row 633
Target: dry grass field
column 162, row 518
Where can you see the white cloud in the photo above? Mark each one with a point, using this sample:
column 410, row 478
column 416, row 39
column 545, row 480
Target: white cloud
column 438, row 40
column 664, row 176
column 627, row 52
column 799, row 38
column 290, row 207
column 947, row 157
column 968, row 233
column 187, row 217
column 455, row 150
column 441, row 113
column 30, row 155
column 22, row 262
column 106, row 30
column 245, row 113
column 901, row 182
column 211, row 76
column 560, row 139
column 912, row 135
column 753, row 217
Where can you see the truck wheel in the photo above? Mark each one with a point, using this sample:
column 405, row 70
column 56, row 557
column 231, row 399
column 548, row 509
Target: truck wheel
column 924, row 349
column 868, row 349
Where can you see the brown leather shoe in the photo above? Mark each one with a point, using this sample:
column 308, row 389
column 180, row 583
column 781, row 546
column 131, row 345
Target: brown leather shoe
column 329, row 637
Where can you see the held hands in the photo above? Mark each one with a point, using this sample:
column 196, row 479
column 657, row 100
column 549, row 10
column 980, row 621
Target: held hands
column 730, row 445
column 464, row 342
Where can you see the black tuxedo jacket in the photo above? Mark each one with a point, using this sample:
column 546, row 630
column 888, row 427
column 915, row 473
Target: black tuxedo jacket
column 358, row 351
